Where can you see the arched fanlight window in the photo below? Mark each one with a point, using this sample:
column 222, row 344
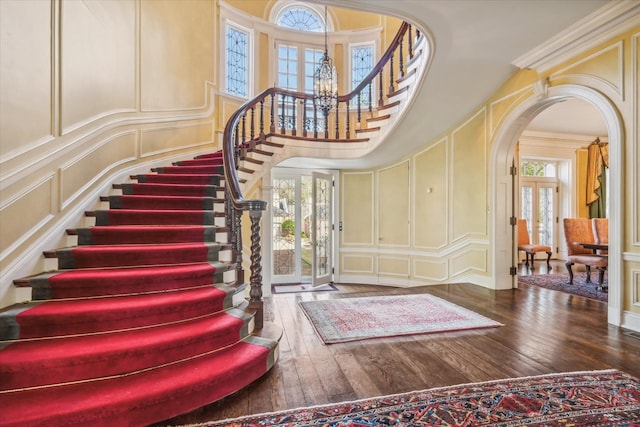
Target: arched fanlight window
column 300, row 18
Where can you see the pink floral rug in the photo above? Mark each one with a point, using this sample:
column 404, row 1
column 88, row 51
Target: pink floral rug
column 351, row 319
column 578, row 399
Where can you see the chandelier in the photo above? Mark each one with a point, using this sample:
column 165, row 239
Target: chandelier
column 325, row 88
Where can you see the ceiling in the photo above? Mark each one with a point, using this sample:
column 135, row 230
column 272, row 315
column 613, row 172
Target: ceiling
column 475, row 46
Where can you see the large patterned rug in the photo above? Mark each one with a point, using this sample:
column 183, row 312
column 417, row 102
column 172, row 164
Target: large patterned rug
column 577, row 399
column 560, row 282
column 351, row 319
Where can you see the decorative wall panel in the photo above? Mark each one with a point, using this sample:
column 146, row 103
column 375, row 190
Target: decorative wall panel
column 163, row 140
column 175, row 60
column 21, row 215
column 98, row 60
column 469, row 260
column 351, row 263
column 430, row 197
column 357, row 208
column 430, row 270
column 25, row 79
column 80, row 172
column 469, row 178
column 393, row 206
column 393, row 266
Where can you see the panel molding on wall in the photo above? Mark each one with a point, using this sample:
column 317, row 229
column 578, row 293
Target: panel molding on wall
column 398, row 227
column 474, row 259
column 355, row 210
column 103, row 157
column 436, row 187
column 635, row 286
column 394, row 266
column 161, row 140
column 39, row 194
column 635, row 136
column 351, row 262
column 439, row 269
column 579, row 71
column 470, row 158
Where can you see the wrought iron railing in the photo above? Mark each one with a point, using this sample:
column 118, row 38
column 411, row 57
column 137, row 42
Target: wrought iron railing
column 278, row 111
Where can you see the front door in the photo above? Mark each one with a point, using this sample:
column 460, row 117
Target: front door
column 538, row 207
column 301, row 224
column 321, row 244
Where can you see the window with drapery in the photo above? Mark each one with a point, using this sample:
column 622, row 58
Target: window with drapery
column 597, row 165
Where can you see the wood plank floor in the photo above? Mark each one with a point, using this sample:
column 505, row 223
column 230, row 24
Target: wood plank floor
column 545, row 331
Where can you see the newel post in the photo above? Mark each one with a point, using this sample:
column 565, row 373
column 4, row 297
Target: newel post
column 256, row 303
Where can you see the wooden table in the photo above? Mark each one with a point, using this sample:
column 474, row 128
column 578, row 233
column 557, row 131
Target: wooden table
column 594, row 246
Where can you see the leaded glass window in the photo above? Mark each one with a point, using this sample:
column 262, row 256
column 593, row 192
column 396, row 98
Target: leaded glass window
column 298, row 18
column 361, row 65
column 237, row 56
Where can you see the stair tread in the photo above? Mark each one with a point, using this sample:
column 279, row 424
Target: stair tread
column 115, row 353
column 97, row 315
column 151, row 394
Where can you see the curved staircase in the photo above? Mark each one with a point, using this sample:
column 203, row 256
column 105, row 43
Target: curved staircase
column 137, row 324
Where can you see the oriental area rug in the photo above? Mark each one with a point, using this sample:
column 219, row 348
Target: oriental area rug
column 560, row 282
column 351, row 319
column 577, row 399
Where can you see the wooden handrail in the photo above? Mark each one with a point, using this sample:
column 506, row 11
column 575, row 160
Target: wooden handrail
column 235, row 144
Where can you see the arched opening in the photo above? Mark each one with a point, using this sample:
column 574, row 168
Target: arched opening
column 504, row 196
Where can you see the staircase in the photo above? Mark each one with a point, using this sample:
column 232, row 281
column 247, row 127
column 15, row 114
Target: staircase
column 138, row 323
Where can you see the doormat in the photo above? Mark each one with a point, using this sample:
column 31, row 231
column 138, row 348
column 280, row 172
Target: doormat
column 302, row 287
column 578, row 399
column 351, row 319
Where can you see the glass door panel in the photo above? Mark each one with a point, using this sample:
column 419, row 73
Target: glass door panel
column 538, row 205
column 284, row 224
column 322, row 229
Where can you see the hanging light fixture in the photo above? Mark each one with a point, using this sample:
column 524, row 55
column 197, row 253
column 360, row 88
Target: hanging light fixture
column 325, row 88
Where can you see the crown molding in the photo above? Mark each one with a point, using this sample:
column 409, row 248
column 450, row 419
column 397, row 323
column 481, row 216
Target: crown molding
column 611, row 20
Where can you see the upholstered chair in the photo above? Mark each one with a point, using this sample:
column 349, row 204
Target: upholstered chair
column 524, row 244
column 576, row 231
column 600, row 232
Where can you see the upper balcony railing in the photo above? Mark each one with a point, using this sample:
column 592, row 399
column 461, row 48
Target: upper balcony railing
column 276, row 112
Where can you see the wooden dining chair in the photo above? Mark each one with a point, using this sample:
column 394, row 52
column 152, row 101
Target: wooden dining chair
column 600, row 233
column 524, row 244
column 576, row 231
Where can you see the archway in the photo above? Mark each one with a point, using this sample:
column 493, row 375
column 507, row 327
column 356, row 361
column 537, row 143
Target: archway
column 502, row 153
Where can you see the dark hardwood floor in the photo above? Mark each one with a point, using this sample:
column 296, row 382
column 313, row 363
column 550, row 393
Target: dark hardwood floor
column 545, row 331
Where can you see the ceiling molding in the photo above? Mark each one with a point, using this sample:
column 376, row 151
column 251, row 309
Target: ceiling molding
column 605, row 23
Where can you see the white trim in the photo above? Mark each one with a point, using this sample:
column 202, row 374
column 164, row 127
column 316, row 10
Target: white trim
column 318, row 10
column 500, row 185
column 613, row 19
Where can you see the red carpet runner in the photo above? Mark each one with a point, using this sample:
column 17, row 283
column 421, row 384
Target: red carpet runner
column 136, row 325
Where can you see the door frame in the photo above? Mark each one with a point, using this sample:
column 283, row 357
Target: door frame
column 502, row 153
column 267, row 194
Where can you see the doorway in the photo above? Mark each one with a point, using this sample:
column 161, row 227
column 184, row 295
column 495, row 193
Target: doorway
column 301, row 227
column 539, row 195
column 502, row 153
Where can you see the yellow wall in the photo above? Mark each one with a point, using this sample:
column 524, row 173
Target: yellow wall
column 448, row 189
column 93, row 91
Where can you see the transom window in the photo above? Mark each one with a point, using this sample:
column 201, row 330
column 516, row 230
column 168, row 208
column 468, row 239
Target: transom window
column 299, row 18
column 538, row 168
